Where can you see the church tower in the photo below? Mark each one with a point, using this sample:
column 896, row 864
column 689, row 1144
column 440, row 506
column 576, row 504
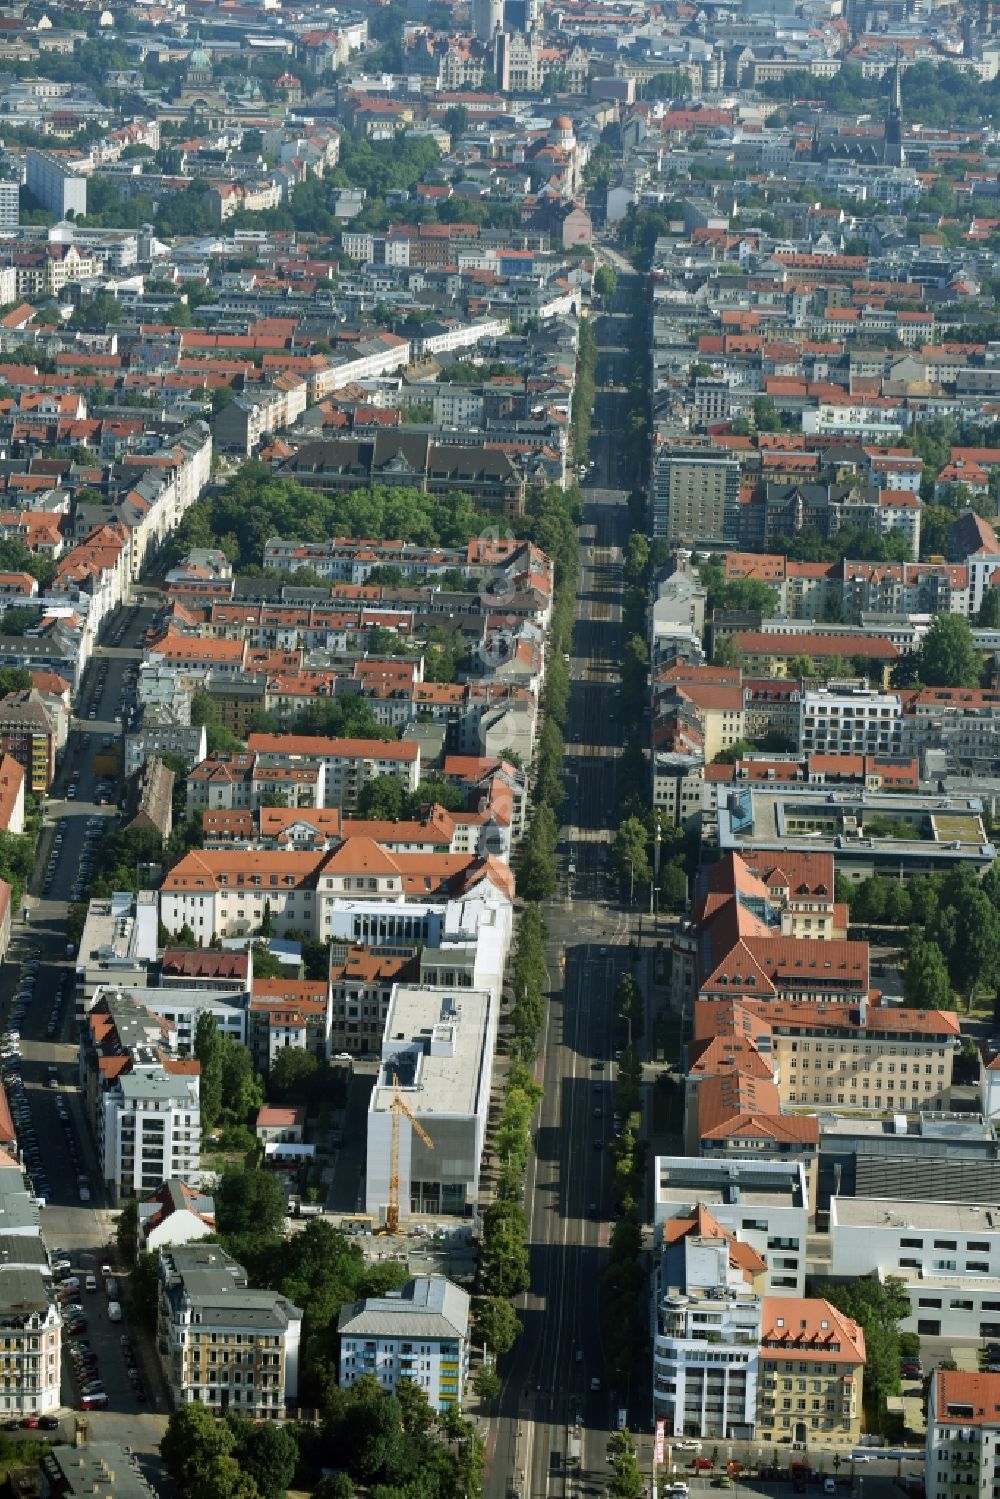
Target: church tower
column 892, row 153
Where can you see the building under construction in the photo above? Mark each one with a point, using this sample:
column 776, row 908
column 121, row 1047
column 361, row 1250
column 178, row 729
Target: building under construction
column 436, row 1064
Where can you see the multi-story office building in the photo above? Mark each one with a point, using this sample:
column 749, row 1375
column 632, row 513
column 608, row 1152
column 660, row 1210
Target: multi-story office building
column 695, row 494
column 874, row 1057
column 763, row 1203
column 30, row 1332
column 222, row 1343
column 438, row 1046
column 869, row 1236
column 420, row 1333
column 963, row 1435
column 848, row 718
column 707, row 1308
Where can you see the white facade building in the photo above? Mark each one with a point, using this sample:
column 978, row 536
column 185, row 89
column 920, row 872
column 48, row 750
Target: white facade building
column 963, row 1435
column 913, row 1238
column 761, row 1203
column 846, row 718
column 420, row 1332
column 30, row 1336
column 149, row 1130
column 57, row 184
column 183, row 1007
column 706, row 1342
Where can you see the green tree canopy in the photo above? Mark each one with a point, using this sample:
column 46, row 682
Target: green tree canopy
column 268, row 1453
column 292, row 1075
column 248, row 1201
column 948, row 656
column 497, row 1325
column 254, row 505
column 193, row 1440
column 631, row 858
column 605, row 282
column 926, row 985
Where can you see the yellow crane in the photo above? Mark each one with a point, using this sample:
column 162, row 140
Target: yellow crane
column 399, row 1106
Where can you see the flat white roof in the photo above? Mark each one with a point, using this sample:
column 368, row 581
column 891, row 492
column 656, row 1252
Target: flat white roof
column 434, row 1041
column 956, row 1217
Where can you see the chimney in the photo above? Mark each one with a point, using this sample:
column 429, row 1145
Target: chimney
column 80, row 1432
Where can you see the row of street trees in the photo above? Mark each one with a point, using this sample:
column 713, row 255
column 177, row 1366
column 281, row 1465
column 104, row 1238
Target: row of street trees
column 504, row 1271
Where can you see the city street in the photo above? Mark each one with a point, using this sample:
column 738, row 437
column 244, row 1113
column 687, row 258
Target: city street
column 556, row 1410
column 83, row 1230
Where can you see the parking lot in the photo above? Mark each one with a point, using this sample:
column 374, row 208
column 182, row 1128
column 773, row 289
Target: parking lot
column 100, row 1355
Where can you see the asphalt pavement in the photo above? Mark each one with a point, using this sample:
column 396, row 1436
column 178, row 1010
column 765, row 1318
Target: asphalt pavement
column 556, row 1411
column 82, row 1229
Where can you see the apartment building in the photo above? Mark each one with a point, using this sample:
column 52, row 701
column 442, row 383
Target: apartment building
column 419, row 1333
column 811, row 1373
column 288, row 1012
column 12, row 783
column 141, row 1099
column 30, row 1343
column 182, row 1008
column 158, row 737
column 222, row 1343
column 718, row 705
column 219, row 970
column 27, row 734
column 963, row 1435
column 361, row 985
column 150, row 1129
column 849, row 718
column 438, row 1049
column 10, row 205
column 963, row 723
column 56, row 183
column 695, row 494
column 348, row 764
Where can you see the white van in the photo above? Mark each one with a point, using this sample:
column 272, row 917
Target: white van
column 115, row 1311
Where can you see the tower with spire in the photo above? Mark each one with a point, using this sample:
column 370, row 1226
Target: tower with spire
column 892, row 153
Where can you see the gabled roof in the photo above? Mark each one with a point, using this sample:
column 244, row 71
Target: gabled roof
column 809, row 1327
